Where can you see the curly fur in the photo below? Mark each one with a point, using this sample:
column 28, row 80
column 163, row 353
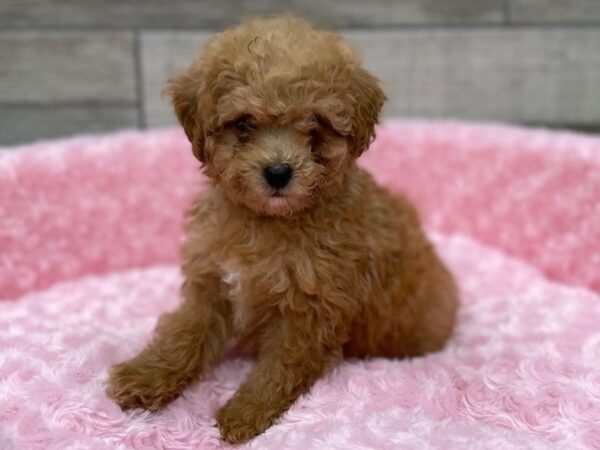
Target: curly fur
column 332, row 266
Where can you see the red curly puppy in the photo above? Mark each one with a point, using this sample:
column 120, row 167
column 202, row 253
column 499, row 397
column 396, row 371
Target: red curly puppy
column 293, row 250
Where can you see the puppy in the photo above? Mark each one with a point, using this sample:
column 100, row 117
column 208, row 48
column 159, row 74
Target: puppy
column 293, row 250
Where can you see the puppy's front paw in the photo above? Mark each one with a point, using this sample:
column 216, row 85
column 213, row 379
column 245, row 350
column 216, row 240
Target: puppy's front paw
column 240, row 420
column 133, row 385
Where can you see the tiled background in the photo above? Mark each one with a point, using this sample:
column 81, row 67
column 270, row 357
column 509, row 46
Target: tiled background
column 73, row 66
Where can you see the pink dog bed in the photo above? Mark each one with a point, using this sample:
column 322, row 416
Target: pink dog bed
column 89, row 236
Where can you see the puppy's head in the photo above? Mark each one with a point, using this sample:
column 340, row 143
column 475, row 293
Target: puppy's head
column 277, row 111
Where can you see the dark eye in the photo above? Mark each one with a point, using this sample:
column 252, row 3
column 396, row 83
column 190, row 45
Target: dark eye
column 315, row 132
column 244, row 123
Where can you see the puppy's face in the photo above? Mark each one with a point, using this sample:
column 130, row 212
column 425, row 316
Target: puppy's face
column 277, row 111
column 277, row 165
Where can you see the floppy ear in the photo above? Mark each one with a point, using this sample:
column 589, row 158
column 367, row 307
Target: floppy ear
column 185, row 91
column 369, row 99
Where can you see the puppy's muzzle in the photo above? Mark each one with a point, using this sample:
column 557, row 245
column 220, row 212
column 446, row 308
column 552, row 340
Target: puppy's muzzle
column 278, row 175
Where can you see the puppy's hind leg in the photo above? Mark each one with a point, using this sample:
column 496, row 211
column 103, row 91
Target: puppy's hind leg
column 186, row 341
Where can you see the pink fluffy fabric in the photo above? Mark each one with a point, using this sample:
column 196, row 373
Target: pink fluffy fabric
column 89, row 235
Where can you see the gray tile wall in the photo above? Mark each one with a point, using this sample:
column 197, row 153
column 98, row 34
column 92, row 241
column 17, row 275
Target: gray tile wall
column 71, row 67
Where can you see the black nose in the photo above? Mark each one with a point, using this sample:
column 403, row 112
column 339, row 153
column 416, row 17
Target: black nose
column 278, row 175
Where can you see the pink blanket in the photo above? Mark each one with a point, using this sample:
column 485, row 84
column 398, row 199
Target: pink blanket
column 89, row 235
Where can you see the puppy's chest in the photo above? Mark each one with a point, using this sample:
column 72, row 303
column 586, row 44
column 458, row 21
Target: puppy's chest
column 264, row 271
column 231, row 276
column 251, row 286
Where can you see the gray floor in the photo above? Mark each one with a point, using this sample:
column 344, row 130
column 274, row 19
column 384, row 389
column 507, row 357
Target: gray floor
column 71, row 67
